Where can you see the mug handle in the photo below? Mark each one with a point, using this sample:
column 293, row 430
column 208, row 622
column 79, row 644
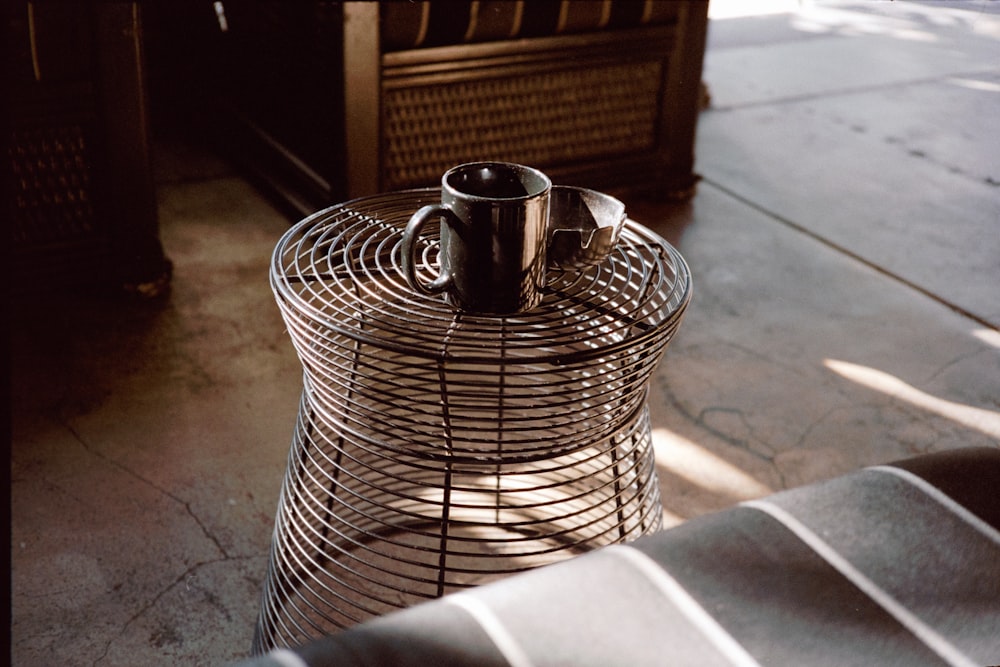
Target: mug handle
column 409, row 250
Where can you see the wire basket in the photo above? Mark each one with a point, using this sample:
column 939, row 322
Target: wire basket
column 436, row 450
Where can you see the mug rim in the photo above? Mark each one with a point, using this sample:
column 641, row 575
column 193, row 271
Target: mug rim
column 546, row 181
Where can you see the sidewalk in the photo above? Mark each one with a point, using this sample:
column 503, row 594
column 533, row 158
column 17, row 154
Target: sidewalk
column 845, row 246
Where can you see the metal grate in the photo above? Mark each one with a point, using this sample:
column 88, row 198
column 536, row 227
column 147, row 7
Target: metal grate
column 436, row 450
column 539, row 118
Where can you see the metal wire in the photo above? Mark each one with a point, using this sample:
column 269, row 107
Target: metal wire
column 436, row 450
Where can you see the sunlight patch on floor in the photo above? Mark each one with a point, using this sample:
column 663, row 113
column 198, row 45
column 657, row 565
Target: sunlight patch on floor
column 989, row 336
column 729, row 9
column 679, row 456
column 979, row 419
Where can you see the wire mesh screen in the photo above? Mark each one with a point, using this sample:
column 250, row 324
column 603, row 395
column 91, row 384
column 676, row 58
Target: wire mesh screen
column 436, row 450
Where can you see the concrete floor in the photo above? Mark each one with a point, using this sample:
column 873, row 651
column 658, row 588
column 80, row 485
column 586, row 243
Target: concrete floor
column 845, row 247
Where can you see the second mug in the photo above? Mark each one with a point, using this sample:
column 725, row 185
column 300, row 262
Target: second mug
column 494, row 219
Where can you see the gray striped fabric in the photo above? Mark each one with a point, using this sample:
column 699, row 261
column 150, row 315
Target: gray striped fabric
column 892, row 565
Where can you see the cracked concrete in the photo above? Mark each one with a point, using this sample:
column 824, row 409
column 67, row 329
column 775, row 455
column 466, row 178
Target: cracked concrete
column 844, row 251
column 845, row 313
column 148, row 444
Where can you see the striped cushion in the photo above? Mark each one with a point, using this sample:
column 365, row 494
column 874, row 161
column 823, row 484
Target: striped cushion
column 892, row 565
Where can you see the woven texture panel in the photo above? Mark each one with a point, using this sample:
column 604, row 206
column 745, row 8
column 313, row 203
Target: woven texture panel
column 52, row 187
column 539, row 118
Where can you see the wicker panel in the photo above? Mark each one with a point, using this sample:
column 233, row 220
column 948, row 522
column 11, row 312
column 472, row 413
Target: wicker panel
column 541, row 118
column 52, row 186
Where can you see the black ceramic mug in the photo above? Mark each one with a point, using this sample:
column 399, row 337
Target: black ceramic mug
column 494, row 218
